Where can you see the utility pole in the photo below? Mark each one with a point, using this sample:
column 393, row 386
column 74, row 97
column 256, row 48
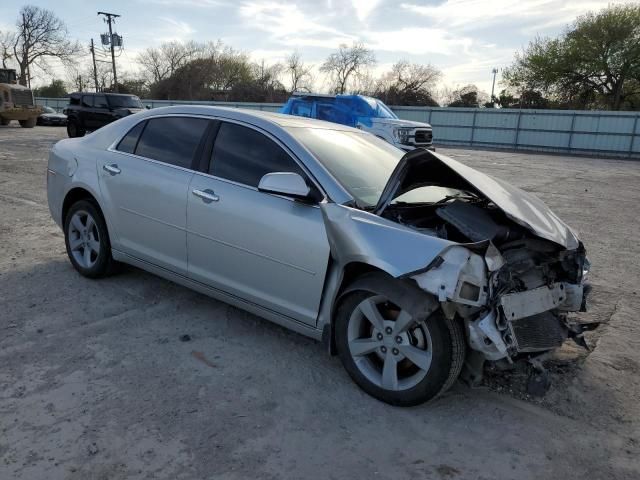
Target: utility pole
column 95, row 70
column 110, row 17
column 494, row 71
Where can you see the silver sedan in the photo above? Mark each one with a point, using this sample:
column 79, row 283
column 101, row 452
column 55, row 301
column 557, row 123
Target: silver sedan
column 408, row 266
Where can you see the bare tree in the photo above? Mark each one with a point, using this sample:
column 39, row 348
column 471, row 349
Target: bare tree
column 299, row 74
column 6, row 44
column 40, row 35
column 347, row 63
column 161, row 62
column 409, row 84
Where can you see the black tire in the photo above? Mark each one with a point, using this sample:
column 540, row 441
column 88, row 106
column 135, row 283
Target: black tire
column 104, row 262
column 448, row 345
column 4, row 121
column 30, row 123
column 74, row 130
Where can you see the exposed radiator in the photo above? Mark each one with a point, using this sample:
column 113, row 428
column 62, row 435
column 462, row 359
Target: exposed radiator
column 538, row 332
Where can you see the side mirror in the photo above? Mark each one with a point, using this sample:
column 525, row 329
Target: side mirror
column 147, row 107
column 285, row 183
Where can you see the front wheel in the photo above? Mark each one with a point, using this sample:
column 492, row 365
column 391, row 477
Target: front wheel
column 394, row 352
column 74, row 130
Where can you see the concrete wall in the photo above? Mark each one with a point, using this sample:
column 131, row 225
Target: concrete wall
column 567, row 131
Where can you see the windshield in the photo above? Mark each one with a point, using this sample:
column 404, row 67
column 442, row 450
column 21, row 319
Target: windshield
column 380, row 110
column 124, row 101
column 48, row 110
column 361, row 162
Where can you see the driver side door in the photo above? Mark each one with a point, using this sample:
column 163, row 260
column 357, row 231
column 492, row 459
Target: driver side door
column 267, row 249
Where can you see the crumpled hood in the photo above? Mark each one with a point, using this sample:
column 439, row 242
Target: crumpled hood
column 423, row 167
column 396, row 122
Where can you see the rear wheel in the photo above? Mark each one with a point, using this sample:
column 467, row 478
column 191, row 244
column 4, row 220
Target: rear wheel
column 74, row 130
column 87, row 240
column 29, row 123
column 392, row 351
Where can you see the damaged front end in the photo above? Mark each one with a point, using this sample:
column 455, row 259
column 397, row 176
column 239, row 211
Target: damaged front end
column 493, row 255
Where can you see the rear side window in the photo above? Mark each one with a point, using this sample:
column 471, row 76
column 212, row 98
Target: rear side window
column 87, row 101
column 172, row 140
column 130, row 140
column 100, row 101
column 244, row 155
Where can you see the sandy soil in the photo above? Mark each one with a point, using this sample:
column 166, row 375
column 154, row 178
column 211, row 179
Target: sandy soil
column 95, row 382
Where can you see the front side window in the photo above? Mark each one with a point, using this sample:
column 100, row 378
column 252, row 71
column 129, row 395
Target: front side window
column 172, row 140
column 100, row 101
column 125, row 101
column 244, row 155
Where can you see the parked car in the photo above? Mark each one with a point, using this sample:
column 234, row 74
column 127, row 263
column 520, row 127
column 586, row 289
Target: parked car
column 50, row 117
column 404, row 264
column 90, row 111
column 366, row 113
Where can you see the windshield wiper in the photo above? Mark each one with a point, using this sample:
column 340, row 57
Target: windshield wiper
column 456, row 196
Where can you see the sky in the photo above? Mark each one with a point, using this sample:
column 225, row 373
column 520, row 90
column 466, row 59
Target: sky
column 465, row 39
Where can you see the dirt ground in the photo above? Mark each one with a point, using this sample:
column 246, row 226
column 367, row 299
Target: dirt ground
column 95, row 382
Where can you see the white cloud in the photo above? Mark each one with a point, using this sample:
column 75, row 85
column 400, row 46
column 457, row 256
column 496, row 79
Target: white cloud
column 418, row 41
column 473, row 14
column 364, row 8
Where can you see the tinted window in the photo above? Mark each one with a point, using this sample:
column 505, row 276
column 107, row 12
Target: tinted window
column 100, row 101
column 245, row 156
column 172, row 140
column 302, row 109
column 128, row 143
column 87, row 101
column 125, row 101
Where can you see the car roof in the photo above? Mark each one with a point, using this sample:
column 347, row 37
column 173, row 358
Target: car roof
column 256, row 117
column 78, row 94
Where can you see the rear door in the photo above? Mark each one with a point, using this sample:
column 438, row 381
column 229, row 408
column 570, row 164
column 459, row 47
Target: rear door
column 267, row 249
column 145, row 181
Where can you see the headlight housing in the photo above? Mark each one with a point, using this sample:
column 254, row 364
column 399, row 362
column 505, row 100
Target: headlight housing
column 401, row 134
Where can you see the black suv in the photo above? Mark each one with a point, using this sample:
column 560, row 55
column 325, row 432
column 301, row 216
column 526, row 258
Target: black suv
column 90, row 111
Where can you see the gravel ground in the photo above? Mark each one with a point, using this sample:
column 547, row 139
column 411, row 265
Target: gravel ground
column 96, row 383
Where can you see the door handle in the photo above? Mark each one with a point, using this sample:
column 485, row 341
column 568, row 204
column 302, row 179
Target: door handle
column 112, row 169
column 207, row 195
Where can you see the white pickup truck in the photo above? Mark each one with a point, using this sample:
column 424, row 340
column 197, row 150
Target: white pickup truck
column 366, row 113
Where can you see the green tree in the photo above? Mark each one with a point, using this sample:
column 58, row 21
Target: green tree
column 595, row 63
column 56, row 89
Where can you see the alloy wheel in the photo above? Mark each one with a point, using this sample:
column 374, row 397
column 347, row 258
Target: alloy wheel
column 390, row 348
column 84, row 239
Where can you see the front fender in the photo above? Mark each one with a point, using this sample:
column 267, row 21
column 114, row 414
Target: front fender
column 358, row 236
